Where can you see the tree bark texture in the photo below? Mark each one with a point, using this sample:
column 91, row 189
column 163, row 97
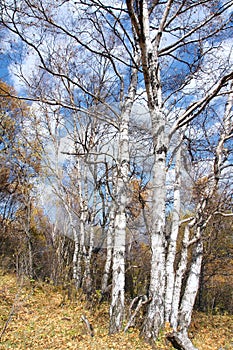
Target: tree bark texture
column 118, row 266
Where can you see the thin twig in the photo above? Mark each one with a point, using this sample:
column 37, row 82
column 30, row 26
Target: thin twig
column 88, row 325
column 140, row 300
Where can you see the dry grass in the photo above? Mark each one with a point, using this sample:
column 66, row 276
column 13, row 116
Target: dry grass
column 37, row 316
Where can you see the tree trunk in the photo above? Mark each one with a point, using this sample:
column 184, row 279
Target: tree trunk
column 140, row 20
column 181, row 341
column 109, row 244
column 118, row 274
column 171, row 254
column 87, row 232
column 76, row 272
column 178, row 279
column 155, row 315
column 191, row 289
column 118, row 267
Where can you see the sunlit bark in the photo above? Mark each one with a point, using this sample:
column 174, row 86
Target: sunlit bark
column 117, row 308
column 109, row 247
column 176, row 48
column 172, row 243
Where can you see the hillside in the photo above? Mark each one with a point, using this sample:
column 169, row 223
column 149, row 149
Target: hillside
column 37, row 316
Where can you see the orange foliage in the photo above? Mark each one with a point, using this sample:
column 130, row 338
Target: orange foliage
column 138, row 197
column 41, row 320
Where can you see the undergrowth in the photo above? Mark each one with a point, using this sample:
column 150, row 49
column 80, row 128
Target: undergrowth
column 36, row 315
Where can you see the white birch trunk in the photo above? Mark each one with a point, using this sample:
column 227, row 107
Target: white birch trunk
column 87, row 279
column 118, row 274
column 181, row 341
column 68, row 207
column 118, row 266
column 155, row 314
column 190, row 293
column 182, row 319
column 76, row 275
column 82, row 221
column 140, row 20
column 171, row 254
column 178, row 279
column 109, row 246
column 201, row 220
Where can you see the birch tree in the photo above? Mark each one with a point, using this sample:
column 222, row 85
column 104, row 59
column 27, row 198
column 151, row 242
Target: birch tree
column 177, row 56
column 162, row 18
column 55, row 64
column 200, row 221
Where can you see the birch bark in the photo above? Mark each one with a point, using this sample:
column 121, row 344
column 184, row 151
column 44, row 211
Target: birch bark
column 149, row 58
column 200, row 221
column 119, row 240
column 110, row 231
column 182, row 31
column 109, row 243
column 171, row 254
column 87, row 278
column 191, row 289
column 178, row 278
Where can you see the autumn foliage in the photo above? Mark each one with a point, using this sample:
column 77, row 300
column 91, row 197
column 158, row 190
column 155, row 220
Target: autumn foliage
column 37, row 315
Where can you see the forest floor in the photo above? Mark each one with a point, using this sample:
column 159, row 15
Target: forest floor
column 36, row 315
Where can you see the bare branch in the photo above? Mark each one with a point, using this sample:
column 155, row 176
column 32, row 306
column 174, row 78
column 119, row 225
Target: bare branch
column 223, row 214
column 197, row 107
